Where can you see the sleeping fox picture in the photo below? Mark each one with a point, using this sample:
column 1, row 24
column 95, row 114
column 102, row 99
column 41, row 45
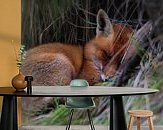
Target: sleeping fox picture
column 58, row 63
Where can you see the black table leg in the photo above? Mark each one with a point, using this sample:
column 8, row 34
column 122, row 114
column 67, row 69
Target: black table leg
column 9, row 113
column 117, row 115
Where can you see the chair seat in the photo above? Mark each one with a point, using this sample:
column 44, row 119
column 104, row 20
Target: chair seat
column 140, row 113
column 80, row 102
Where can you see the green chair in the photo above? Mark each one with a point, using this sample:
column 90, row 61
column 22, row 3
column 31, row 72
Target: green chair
column 85, row 103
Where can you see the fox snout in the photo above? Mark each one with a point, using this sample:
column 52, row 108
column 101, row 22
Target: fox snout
column 103, row 77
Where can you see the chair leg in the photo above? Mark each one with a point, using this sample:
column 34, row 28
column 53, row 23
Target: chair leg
column 150, row 123
column 90, row 120
column 130, row 125
column 138, row 123
column 70, row 119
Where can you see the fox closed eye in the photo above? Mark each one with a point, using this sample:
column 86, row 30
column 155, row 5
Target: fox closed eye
column 109, row 56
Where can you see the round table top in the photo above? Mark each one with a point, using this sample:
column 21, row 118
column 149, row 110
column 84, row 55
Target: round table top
column 67, row 91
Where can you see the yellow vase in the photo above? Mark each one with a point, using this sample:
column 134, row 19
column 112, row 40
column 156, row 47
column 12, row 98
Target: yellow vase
column 18, row 82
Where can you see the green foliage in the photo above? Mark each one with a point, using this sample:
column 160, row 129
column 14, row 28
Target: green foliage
column 60, row 116
column 155, row 76
column 21, row 56
column 140, row 50
column 46, row 21
column 56, row 117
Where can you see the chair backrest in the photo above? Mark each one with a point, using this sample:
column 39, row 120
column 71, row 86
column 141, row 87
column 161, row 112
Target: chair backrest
column 79, row 102
column 79, row 83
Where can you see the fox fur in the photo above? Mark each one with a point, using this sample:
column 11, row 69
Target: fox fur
column 58, row 63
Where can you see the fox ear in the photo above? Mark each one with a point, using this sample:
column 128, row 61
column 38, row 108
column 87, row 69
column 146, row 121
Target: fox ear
column 104, row 26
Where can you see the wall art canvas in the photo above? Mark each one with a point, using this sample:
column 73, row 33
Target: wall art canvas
column 106, row 42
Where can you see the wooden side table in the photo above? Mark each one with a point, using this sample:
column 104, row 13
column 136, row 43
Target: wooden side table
column 138, row 114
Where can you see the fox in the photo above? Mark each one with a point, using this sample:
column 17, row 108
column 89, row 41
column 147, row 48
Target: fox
column 54, row 64
column 57, row 63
